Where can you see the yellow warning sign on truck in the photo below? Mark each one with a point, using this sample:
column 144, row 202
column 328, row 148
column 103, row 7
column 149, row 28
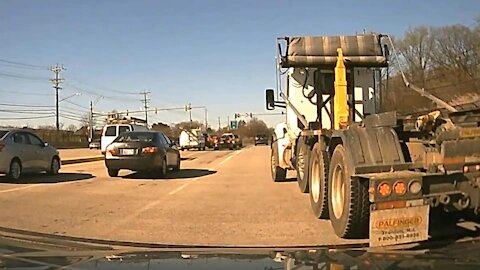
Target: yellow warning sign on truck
column 399, row 226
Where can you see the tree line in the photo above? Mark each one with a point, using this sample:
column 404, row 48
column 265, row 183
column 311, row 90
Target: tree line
column 444, row 60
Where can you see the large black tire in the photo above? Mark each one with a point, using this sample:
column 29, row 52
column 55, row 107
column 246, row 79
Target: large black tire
column 54, row 166
column 318, row 181
column 348, row 203
column 303, row 164
column 278, row 173
column 112, row 172
column 15, row 171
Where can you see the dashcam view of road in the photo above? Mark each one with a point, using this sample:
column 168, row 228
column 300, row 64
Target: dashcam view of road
column 145, row 128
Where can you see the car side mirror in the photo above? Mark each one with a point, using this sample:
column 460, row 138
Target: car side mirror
column 45, row 144
column 270, row 99
column 173, row 143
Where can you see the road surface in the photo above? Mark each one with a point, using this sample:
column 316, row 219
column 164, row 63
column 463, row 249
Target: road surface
column 218, row 198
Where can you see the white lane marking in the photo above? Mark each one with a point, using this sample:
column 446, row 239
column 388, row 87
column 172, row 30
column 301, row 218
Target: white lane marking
column 178, row 188
column 182, row 186
column 20, row 188
column 230, row 156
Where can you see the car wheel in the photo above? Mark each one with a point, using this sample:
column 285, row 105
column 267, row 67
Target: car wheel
column 113, row 172
column 177, row 166
column 163, row 169
column 54, row 166
column 15, row 170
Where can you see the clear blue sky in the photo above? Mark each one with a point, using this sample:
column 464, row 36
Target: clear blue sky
column 218, row 54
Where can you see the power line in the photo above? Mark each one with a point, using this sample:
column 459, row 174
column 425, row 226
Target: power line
column 82, row 90
column 26, row 105
column 73, row 110
column 20, row 76
column 27, row 111
column 25, row 118
column 73, row 103
column 71, row 118
column 96, row 86
column 23, row 64
column 15, row 92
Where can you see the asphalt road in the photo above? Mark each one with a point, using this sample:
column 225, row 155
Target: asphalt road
column 78, row 153
column 218, row 198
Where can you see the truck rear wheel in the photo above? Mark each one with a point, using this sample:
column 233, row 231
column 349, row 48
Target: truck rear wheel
column 303, row 164
column 278, row 173
column 348, row 203
column 318, row 178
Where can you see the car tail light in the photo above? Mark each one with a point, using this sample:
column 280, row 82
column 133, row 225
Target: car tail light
column 384, row 189
column 1, row 147
column 110, row 151
column 400, row 188
column 147, row 150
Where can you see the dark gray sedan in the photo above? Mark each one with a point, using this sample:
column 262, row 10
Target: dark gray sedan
column 21, row 151
column 147, row 151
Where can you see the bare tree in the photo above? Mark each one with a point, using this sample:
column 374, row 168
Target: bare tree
column 415, row 49
column 72, row 127
column 456, row 52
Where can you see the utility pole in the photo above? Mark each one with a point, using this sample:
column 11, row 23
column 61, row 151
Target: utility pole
column 219, row 124
column 228, row 122
column 189, row 109
column 145, row 101
column 90, row 134
column 206, row 119
column 56, row 85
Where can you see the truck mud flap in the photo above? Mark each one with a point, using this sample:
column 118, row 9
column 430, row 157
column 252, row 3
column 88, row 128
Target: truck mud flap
column 399, row 225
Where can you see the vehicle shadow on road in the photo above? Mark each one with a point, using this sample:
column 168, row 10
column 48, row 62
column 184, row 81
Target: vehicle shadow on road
column 182, row 174
column 288, row 180
column 48, row 179
column 448, row 228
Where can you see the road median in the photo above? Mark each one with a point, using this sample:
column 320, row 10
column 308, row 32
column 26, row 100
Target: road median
column 81, row 160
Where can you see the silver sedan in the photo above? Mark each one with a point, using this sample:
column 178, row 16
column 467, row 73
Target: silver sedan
column 21, row 151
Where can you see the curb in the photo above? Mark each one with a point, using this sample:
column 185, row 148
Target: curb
column 81, row 160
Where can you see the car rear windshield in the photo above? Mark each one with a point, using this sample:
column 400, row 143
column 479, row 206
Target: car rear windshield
column 123, row 129
column 111, row 131
column 136, row 137
column 2, row 133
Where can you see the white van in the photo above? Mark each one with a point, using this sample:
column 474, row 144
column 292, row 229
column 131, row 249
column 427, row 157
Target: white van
column 110, row 132
column 192, row 139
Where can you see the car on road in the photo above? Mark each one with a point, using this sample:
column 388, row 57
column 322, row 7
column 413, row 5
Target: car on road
column 145, row 151
column 95, row 144
column 111, row 131
column 212, row 141
column 192, row 139
column 21, row 151
column 230, row 141
column 238, row 141
column 261, row 139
